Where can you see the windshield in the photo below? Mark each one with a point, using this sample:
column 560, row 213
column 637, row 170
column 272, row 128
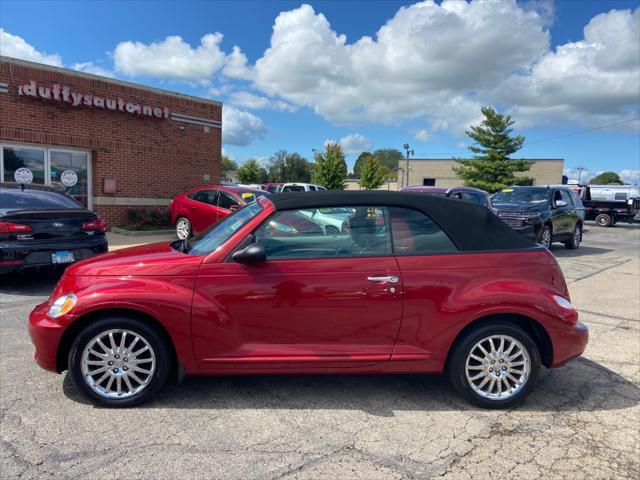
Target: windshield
column 532, row 196
column 212, row 239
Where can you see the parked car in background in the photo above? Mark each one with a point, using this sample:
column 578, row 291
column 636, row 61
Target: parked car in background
column 199, row 208
column 386, row 296
column 301, row 187
column 473, row 195
column 272, row 187
column 334, row 221
column 543, row 214
column 44, row 227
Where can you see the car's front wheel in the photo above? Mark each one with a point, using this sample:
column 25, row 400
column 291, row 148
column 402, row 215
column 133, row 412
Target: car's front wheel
column 119, row 361
column 183, row 228
column 546, row 236
column 495, row 366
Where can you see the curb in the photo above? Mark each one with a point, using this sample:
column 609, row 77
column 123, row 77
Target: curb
column 133, row 233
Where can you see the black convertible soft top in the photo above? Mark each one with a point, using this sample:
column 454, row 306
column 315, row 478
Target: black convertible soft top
column 471, row 227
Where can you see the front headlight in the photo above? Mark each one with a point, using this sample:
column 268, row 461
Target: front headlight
column 62, row 305
column 533, row 217
column 563, row 302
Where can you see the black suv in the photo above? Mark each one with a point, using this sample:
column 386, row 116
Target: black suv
column 542, row 214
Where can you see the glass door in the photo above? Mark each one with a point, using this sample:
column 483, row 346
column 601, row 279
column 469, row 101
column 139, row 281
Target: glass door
column 69, row 171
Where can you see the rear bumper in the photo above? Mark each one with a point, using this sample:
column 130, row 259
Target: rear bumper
column 45, row 335
column 569, row 344
column 21, row 255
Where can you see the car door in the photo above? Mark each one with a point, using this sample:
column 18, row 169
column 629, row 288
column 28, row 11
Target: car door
column 562, row 217
column 317, row 301
column 203, row 211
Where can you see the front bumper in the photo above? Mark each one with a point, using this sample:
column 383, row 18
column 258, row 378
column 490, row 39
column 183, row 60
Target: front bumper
column 569, row 344
column 17, row 256
column 45, row 335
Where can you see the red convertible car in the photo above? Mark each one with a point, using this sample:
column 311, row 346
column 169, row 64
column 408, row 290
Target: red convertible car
column 415, row 285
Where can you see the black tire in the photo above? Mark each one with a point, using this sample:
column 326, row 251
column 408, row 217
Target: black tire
column 576, row 238
column 457, row 364
column 604, row 220
column 331, row 230
column 181, row 223
column 546, row 230
column 163, row 359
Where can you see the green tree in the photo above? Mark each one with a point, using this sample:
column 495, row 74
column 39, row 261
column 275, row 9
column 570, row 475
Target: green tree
column 388, row 157
column 289, row 167
column 249, row 171
column 227, row 166
column 372, row 173
column 330, row 169
column 491, row 168
column 606, row 178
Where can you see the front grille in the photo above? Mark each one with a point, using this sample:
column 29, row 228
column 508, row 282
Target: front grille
column 513, row 219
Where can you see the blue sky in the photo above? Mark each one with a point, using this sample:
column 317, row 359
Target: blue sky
column 368, row 74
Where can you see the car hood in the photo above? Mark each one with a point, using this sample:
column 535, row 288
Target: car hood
column 145, row 260
column 520, row 207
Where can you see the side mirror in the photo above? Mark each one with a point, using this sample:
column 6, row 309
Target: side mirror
column 561, row 203
column 234, row 207
column 254, row 253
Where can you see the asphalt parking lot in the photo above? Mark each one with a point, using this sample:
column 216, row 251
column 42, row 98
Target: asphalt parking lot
column 582, row 421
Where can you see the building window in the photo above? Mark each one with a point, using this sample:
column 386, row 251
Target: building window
column 428, row 182
column 67, row 170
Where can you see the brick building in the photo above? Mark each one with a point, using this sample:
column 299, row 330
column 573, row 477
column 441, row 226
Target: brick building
column 111, row 144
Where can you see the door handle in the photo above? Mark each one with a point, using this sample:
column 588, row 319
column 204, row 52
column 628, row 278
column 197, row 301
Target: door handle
column 389, row 279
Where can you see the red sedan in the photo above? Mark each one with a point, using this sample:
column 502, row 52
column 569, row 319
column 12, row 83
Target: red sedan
column 415, row 285
column 201, row 207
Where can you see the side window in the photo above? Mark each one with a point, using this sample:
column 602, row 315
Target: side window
column 206, row 196
column 414, row 233
column 312, row 188
column 321, row 188
column 566, row 196
column 340, row 232
column 577, row 201
column 226, row 201
column 474, row 198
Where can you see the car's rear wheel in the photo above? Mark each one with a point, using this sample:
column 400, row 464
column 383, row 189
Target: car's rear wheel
column 576, row 238
column 604, row 220
column 495, row 366
column 331, row 230
column 119, row 362
column 183, row 228
column 546, row 236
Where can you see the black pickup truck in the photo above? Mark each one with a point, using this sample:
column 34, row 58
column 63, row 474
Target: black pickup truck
column 610, row 204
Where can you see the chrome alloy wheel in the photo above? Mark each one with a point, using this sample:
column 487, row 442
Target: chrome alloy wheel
column 498, row 367
column 545, row 239
column 577, row 236
column 183, row 229
column 118, row 363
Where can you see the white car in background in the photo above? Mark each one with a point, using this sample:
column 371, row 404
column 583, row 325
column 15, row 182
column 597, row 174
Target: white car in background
column 334, row 221
column 301, row 187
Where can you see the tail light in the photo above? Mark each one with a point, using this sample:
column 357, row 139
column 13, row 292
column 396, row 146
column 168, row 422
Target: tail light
column 8, row 227
column 96, row 225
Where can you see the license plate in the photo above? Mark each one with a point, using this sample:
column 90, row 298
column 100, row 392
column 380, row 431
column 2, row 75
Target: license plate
column 62, row 257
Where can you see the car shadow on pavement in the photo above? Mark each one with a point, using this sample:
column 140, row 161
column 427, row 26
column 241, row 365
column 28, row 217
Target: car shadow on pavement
column 33, row 283
column 582, row 385
column 560, row 251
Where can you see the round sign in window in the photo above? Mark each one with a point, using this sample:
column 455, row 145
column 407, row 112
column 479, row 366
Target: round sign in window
column 23, row 175
column 69, row 178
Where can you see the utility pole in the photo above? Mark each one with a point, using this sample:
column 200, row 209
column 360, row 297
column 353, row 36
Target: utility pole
column 580, row 169
column 409, row 152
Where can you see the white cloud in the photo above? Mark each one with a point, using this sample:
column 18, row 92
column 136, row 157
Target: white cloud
column 630, row 176
column 17, row 47
column 90, row 67
column 240, row 127
column 594, row 81
column 420, row 63
column 236, row 65
column 355, row 144
column 171, row 58
column 257, row 102
column 422, row 135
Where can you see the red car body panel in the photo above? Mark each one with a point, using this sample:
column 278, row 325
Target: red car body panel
column 202, row 215
column 296, row 316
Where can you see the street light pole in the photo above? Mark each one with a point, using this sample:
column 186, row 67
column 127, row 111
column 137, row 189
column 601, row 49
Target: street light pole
column 580, row 169
column 409, row 152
